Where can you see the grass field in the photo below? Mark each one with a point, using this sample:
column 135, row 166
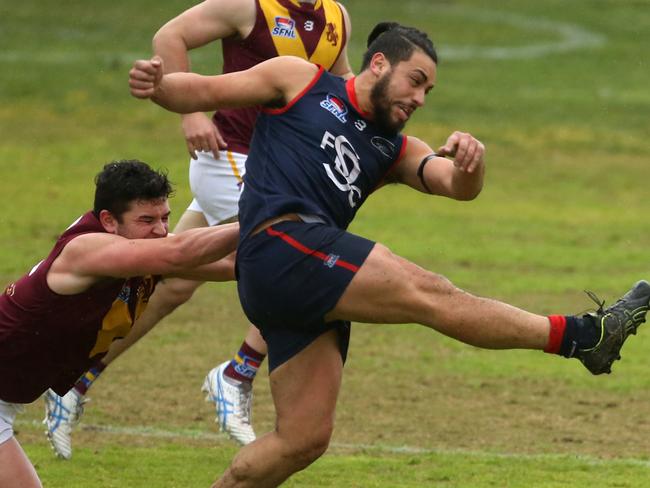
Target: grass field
column 557, row 90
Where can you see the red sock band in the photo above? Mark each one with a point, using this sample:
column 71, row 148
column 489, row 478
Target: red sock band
column 556, row 334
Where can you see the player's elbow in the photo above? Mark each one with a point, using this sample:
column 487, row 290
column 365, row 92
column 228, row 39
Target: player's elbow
column 469, row 194
column 466, row 193
column 167, row 35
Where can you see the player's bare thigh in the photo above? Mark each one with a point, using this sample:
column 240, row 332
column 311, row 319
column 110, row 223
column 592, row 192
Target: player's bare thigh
column 190, row 219
column 390, row 289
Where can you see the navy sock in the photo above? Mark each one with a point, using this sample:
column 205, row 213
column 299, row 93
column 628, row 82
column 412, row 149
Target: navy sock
column 580, row 333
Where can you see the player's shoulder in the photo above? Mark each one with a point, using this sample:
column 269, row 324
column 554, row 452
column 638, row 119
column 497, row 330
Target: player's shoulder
column 293, row 62
column 289, row 68
column 90, row 242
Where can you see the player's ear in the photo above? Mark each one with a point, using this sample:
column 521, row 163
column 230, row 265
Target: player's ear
column 108, row 221
column 379, row 64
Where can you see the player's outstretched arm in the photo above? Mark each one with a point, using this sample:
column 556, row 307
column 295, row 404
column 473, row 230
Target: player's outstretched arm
column 91, row 257
column 275, row 82
column 459, row 175
column 197, row 26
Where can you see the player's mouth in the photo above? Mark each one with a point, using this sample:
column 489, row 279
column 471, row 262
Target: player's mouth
column 404, row 111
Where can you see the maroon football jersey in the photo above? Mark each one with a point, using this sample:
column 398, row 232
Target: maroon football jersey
column 282, row 27
column 48, row 340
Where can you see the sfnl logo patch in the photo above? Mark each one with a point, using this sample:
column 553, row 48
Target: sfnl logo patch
column 335, row 106
column 284, row 28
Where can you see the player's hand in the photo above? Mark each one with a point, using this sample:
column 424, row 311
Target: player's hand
column 466, row 151
column 145, row 76
column 202, row 135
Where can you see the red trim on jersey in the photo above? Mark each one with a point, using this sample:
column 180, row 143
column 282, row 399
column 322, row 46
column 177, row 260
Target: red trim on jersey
column 556, row 334
column 305, row 250
column 352, row 96
column 276, row 111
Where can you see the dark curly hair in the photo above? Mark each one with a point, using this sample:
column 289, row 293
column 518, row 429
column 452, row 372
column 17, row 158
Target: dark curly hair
column 122, row 182
column 397, row 43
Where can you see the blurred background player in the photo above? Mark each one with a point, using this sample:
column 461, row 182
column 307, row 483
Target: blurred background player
column 250, row 31
column 64, row 314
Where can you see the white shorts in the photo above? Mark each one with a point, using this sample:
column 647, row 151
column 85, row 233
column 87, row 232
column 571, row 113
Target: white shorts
column 8, row 413
column 216, row 184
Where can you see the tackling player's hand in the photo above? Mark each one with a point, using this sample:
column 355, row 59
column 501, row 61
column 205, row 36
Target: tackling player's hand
column 145, row 76
column 466, row 151
column 202, row 135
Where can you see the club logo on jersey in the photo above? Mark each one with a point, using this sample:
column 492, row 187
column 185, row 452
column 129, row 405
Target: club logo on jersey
column 336, row 107
column 331, row 35
column 384, row 146
column 345, row 167
column 284, row 27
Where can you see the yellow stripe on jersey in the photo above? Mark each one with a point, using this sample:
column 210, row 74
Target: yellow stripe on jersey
column 331, row 39
column 316, row 4
column 118, row 321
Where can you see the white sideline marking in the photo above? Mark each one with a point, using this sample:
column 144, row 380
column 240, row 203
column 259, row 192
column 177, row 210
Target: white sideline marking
column 189, row 434
column 571, row 37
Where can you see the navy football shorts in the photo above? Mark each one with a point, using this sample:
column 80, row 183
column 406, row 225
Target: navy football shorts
column 289, row 276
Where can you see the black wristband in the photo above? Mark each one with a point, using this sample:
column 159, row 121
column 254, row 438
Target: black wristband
column 424, row 162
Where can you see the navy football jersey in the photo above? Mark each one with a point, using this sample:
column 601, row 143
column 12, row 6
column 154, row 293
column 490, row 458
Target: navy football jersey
column 319, row 156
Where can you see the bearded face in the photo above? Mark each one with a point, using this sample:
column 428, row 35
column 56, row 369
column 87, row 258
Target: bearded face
column 383, row 106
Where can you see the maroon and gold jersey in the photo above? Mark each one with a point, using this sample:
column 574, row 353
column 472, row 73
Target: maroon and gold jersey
column 282, row 27
column 48, row 340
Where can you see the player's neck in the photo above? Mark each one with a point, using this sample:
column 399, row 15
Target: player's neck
column 362, row 85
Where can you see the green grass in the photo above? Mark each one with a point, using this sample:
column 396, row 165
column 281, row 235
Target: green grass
column 563, row 210
column 176, row 465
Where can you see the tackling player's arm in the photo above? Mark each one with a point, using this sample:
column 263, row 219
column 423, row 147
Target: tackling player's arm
column 274, row 82
column 426, row 170
column 90, row 258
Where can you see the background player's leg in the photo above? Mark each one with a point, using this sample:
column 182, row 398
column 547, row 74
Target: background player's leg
column 304, row 390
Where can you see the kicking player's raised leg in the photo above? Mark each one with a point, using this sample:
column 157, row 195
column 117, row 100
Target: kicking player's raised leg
column 390, row 289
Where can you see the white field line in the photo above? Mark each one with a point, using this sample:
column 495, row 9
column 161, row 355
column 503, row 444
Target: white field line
column 191, row 434
column 570, row 37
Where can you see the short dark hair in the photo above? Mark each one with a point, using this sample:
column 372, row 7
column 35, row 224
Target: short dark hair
column 122, row 182
column 397, row 43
